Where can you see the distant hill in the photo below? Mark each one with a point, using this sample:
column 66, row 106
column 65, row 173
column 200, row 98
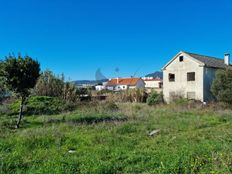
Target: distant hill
column 155, row 74
column 89, row 82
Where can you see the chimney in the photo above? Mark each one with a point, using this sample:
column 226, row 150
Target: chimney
column 227, row 59
column 117, row 80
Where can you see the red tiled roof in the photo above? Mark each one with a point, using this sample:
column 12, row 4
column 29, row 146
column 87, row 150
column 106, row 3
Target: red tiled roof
column 123, row 81
column 156, row 79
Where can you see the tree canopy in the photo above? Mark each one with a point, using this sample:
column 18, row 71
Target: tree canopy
column 222, row 86
column 20, row 74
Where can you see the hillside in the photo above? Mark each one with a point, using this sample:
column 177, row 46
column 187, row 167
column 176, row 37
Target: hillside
column 155, row 74
column 89, row 82
column 101, row 140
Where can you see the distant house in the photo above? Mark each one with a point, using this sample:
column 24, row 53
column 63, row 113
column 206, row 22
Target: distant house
column 119, row 84
column 153, row 83
column 101, row 86
column 191, row 75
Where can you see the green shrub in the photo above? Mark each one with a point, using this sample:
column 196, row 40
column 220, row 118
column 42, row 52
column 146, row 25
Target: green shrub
column 43, row 105
column 222, row 86
column 110, row 106
column 181, row 101
column 155, row 98
column 131, row 95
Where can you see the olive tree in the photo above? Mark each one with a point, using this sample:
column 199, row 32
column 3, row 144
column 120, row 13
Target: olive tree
column 20, row 75
column 222, row 85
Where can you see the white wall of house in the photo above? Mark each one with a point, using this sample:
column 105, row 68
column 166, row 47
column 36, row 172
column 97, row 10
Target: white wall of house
column 111, row 88
column 182, row 87
column 121, row 87
column 152, row 84
column 140, row 84
column 99, row 87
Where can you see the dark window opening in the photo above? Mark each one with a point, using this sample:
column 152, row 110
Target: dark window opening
column 181, row 58
column 171, row 77
column 191, row 76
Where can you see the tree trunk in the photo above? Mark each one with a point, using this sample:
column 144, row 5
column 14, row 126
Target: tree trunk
column 20, row 113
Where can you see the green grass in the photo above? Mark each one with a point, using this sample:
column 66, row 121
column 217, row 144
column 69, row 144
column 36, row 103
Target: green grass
column 105, row 142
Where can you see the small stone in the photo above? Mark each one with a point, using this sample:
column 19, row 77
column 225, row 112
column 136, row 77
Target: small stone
column 155, row 132
column 71, row 151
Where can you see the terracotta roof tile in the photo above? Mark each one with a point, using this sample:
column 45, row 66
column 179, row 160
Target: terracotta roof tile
column 123, row 81
column 155, row 79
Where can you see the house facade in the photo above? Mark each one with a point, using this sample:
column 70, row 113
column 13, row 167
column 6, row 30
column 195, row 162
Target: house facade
column 100, row 86
column 190, row 76
column 152, row 83
column 119, row 84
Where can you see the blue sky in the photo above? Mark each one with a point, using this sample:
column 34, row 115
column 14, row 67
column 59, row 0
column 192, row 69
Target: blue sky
column 76, row 37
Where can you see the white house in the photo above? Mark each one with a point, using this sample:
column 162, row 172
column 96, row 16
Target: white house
column 191, row 75
column 151, row 82
column 100, row 87
column 119, row 84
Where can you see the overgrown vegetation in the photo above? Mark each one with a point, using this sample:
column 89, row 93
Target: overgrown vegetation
column 55, row 86
column 132, row 95
column 104, row 139
column 155, row 98
column 123, row 134
column 222, row 85
column 38, row 105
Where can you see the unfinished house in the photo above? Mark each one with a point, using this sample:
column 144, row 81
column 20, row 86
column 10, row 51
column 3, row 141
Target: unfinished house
column 190, row 76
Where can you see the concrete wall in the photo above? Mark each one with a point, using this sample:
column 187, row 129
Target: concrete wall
column 99, row 87
column 111, row 88
column 121, row 87
column 182, row 87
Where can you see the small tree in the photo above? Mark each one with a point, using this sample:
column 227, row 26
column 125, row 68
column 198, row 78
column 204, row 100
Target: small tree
column 222, row 85
column 20, row 75
column 49, row 85
column 155, row 98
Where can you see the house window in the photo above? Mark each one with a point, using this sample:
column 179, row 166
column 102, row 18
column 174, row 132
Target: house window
column 181, row 58
column 171, row 77
column 191, row 76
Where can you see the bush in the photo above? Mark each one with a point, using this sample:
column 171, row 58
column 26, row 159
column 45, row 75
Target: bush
column 4, row 109
column 43, row 105
column 155, row 98
column 110, row 106
column 131, row 95
column 181, row 101
column 54, row 86
column 222, row 86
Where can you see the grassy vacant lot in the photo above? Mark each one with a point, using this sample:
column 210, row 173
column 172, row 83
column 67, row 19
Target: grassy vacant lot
column 106, row 140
